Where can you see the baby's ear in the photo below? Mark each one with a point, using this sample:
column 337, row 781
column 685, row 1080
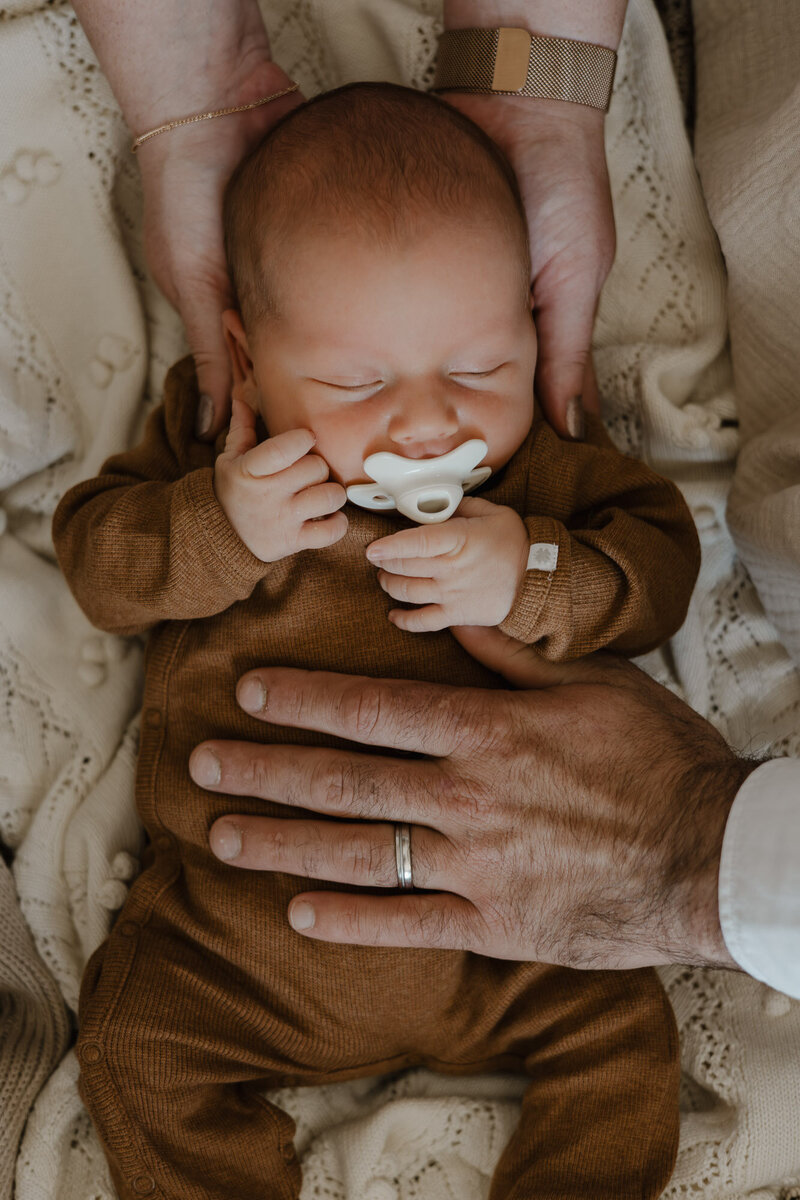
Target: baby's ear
column 244, row 382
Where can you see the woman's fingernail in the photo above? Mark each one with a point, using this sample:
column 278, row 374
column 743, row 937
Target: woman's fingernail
column 226, row 841
column 252, row 695
column 301, row 916
column 205, row 768
column 205, row 415
column 576, row 424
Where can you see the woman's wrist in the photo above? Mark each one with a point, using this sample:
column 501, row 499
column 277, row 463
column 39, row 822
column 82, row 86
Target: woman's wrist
column 227, row 138
column 599, row 22
column 170, row 58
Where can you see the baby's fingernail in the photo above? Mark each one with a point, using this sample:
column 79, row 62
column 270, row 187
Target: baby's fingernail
column 301, row 916
column 576, row 424
column 205, row 415
column 205, row 768
column 252, row 695
column 226, row 841
column 374, row 555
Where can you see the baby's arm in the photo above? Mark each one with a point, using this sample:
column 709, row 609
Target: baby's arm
column 148, row 539
column 613, row 556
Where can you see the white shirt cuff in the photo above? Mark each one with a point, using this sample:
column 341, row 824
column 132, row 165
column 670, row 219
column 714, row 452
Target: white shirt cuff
column 759, row 876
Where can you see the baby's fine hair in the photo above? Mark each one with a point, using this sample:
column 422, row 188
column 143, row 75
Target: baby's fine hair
column 371, row 158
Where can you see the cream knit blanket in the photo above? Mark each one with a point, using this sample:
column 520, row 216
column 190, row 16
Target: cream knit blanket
column 84, row 337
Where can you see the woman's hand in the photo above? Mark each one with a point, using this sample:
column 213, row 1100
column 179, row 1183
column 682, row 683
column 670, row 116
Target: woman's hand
column 557, row 151
column 184, row 173
column 578, row 821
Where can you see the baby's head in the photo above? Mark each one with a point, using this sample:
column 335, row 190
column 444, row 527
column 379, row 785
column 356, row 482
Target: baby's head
column 378, row 251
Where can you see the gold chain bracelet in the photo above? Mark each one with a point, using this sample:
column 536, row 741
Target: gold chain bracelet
column 207, row 116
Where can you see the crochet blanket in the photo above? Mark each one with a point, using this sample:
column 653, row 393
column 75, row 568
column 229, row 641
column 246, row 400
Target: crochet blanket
column 85, row 341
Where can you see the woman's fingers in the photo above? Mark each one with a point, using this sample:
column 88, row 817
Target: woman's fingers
column 360, row 854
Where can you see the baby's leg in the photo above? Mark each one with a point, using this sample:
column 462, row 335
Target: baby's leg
column 170, row 1069
column 600, row 1117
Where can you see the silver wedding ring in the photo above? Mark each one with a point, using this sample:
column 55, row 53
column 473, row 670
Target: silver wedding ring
column 402, row 853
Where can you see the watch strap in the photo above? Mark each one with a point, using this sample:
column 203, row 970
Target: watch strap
column 515, row 62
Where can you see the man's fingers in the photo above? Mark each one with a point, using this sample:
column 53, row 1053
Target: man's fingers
column 400, row 714
column 360, row 854
column 279, row 452
column 436, row 920
column 335, row 782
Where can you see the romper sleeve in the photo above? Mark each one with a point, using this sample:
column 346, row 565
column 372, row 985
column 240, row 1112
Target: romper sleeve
column 146, row 540
column 614, row 553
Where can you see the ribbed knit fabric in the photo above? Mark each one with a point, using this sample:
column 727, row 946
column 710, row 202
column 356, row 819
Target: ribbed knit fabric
column 146, row 541
column 85, row 343
column 33, row 1027
column 202, row 987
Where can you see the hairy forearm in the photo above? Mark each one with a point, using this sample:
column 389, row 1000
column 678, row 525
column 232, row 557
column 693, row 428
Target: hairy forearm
column 597, row 21
column 166, row 58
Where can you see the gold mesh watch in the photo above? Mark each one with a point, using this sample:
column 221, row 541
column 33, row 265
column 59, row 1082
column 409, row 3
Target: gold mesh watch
column 514, row 62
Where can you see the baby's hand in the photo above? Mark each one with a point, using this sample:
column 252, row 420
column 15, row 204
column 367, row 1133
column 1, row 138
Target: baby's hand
column 465, row 571
column 272, row 492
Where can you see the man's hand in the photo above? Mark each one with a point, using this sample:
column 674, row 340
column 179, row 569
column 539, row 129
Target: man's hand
column 465, row 571
column 578, row 821
column 274, row 493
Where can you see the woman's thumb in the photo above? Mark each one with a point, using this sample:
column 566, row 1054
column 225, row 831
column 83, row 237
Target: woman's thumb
column 201, row 316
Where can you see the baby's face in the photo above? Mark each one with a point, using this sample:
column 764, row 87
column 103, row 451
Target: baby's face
column 410, row 351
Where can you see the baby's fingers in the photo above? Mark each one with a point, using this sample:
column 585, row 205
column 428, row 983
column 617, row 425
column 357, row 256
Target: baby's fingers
column 277, row 453
column 420, row 620
column 318, row 501
column 424, row 541
column 413, row 591
column 242, row 432
column 315, row 535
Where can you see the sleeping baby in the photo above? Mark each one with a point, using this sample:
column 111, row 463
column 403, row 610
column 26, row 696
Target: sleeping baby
column 383, row 353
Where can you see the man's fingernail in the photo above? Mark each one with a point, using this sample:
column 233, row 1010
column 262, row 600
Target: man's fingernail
column 252, row 695
column 205, row 415
column 226, row 841
column 576, row 423
column 206, row 768
column 301, row 916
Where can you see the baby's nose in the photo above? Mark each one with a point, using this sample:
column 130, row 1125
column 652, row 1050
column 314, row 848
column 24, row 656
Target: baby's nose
column 424, row 420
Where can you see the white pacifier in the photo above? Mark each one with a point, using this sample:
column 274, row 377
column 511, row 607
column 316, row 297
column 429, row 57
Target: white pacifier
column 425, row 489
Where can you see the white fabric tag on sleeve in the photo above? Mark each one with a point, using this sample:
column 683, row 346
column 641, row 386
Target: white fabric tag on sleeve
column 542, row 556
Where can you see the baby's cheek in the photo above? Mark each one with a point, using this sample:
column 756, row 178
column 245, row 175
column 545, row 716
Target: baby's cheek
column 343, row 440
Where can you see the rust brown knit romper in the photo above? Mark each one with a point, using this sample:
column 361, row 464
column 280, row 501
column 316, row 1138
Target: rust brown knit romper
column 203, row 996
